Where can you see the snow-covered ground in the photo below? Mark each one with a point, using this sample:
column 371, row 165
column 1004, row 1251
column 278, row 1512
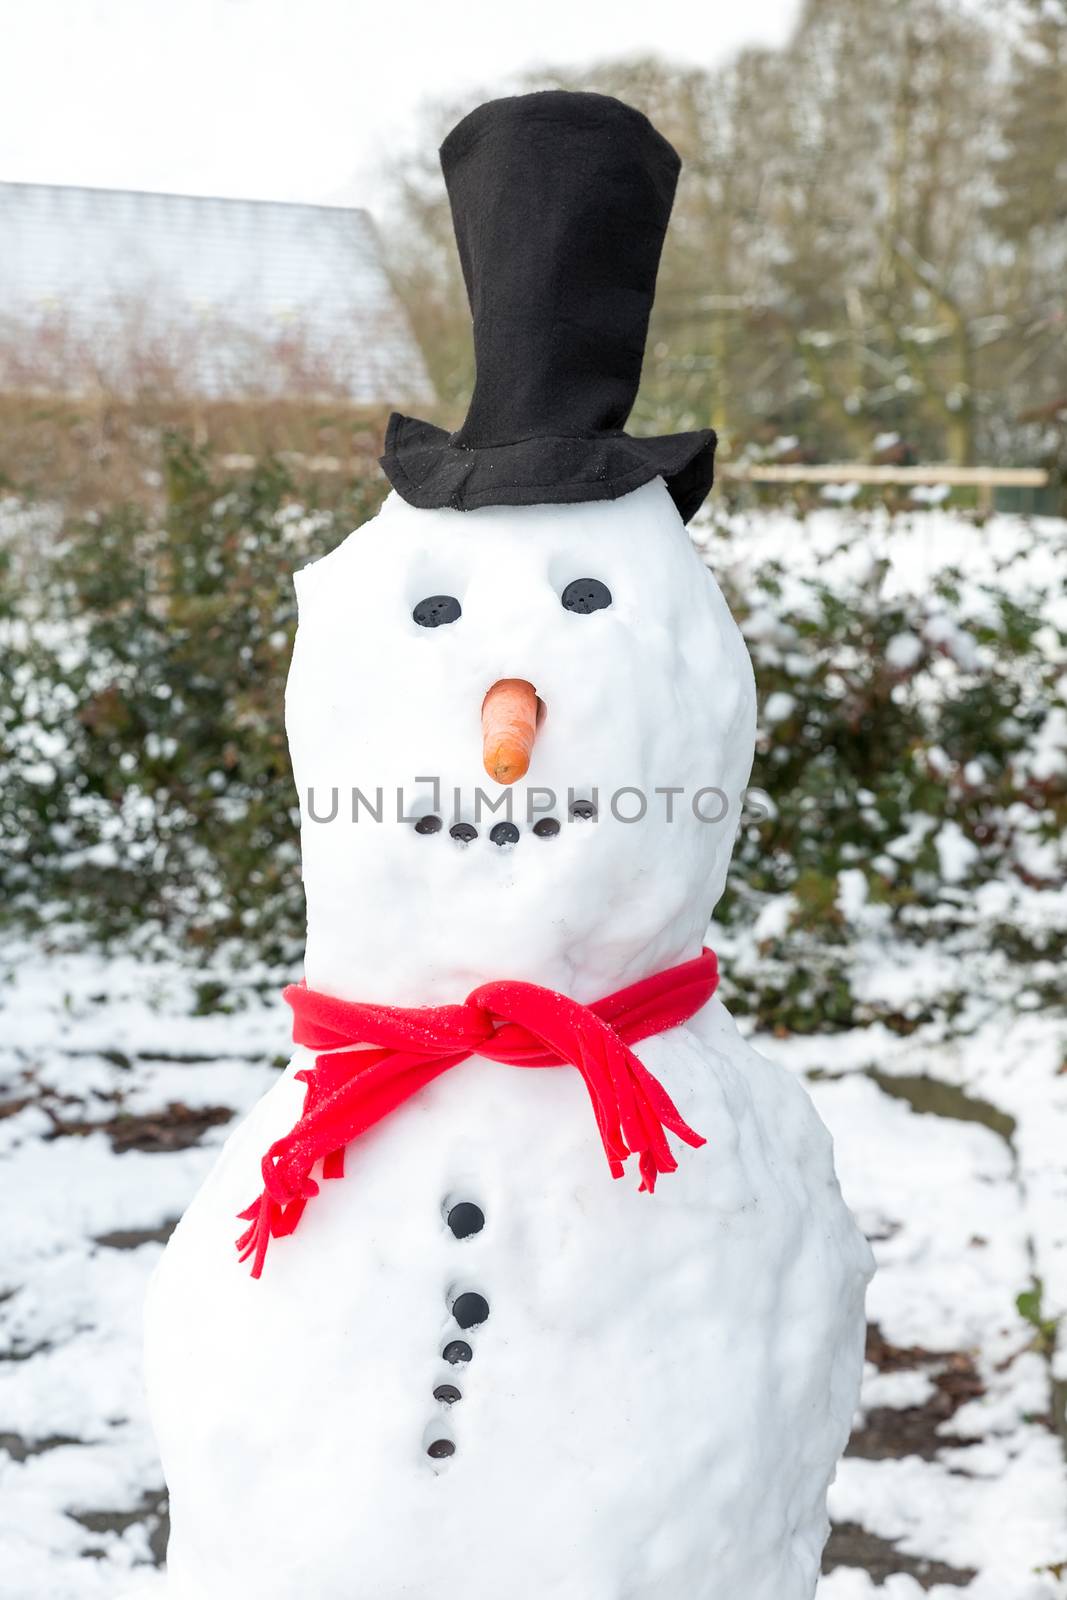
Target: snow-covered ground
column 118, row 1094
column 120, row 1077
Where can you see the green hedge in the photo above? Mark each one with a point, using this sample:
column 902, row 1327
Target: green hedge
column 916, row 761
column 147, row 796
column 147, row 787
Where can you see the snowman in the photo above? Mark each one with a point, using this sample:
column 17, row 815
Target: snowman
column 544, row 1286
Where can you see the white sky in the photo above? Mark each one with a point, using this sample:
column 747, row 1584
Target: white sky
column 297, row 99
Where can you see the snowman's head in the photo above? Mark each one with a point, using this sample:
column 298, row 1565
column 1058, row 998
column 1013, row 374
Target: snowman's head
column 646, row 716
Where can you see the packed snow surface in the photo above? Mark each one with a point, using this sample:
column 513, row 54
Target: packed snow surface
column 668, row 1380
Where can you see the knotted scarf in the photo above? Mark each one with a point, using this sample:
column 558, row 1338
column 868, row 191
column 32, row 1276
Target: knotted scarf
column 376, row 1057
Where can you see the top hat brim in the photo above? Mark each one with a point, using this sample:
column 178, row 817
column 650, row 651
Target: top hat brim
column 429, row 471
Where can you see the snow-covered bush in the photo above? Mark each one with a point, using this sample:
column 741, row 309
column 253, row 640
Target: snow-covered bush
column 147, row 781
column 913, row 742
column 913, row 688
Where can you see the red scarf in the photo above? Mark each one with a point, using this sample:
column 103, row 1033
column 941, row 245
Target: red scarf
column 349, row 1089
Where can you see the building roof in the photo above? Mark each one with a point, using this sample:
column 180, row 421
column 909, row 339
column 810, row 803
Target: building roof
column 229, row 296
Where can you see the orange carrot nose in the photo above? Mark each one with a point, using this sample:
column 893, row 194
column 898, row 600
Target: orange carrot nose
column 509, row 727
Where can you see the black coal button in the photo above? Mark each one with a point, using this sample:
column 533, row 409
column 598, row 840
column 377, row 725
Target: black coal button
column 448, row 1393
column 585, row 595
column 546, row 828
column 584, row 810
column 456, row 1352
column 466, row 1218
column 504, row 833
column 430, row 824
column 437, row 610
column 463, row 831
column 470, row 1310
column 441, row 1448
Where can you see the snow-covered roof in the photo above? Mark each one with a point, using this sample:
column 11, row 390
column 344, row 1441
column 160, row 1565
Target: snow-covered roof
column 232, row 296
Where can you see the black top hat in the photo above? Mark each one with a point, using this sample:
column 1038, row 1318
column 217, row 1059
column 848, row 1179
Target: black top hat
column 560, row 203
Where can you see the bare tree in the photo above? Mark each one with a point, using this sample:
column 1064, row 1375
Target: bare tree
column 868, row 237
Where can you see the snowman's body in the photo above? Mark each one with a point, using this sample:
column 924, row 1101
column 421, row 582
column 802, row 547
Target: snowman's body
column 655, row 1405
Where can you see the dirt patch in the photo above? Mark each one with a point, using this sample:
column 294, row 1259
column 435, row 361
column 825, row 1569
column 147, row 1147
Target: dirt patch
column 133, row 1238
column 21, row 1449
column 176, row 1127
column 933, row 1097
column 152, row 1512
column 25, row 1352
column 849, row 1545
column 889, row 1433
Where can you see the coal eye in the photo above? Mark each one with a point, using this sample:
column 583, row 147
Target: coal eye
column 585, row 595
column 436, row 610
